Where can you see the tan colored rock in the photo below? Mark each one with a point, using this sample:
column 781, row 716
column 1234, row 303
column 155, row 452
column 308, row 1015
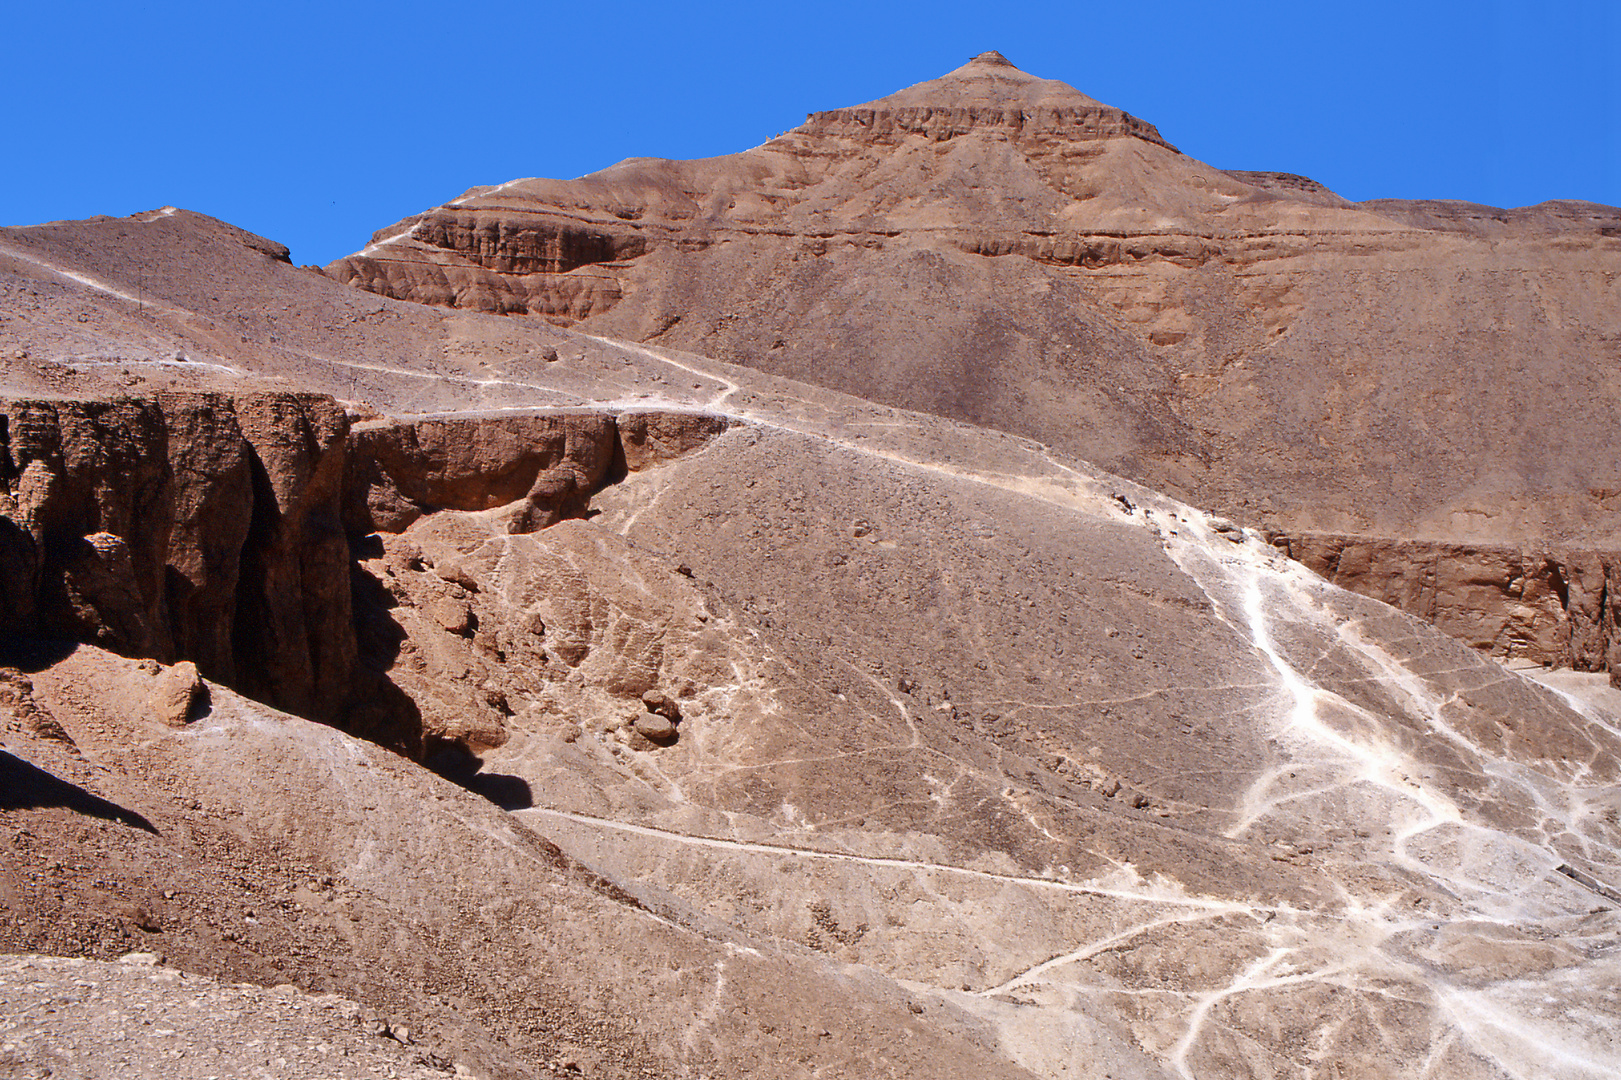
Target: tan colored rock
column 202, row 527
column 659, row 729
column 546, row 464
column 1556, row 608
column 652, row 438
column 662, row 704
column 295, row 616
column 452, row 616
column 176, row 691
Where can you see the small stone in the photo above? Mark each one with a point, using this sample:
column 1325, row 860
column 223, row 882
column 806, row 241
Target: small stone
column 450, row 615
column 548, row 354
column 661, row 704
column 455, row 573
column 655, row 727
column 146, row 959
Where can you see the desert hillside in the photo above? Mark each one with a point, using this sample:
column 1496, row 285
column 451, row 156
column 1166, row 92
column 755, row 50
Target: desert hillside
column 865, row 606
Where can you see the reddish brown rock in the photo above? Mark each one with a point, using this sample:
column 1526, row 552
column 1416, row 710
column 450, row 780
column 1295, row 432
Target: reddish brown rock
column 551, row 463
column 652, row 438
column 88, row 485
column 1557, row 608
column 194, row 526
column 294, row 629
column 1002, row 249
column 659, row 729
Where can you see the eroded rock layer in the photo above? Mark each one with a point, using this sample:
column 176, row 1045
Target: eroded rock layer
column 186, row 525
column 219, row 529
column 1554, row 608
column 1002, row 249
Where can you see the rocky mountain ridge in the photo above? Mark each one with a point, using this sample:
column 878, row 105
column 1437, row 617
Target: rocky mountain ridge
column 1248, row 341
column 772, row 730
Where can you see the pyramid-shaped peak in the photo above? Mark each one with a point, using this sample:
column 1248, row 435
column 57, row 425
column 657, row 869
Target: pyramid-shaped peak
column 989, row 79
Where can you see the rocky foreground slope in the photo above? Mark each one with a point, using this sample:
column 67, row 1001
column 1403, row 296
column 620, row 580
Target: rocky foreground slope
column 681, row 719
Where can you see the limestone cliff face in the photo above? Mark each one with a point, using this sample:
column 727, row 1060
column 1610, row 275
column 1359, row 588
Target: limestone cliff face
column 1557, row 608
column 544, row 467
column 535, row 469
column 219, row 529
column 293, row 606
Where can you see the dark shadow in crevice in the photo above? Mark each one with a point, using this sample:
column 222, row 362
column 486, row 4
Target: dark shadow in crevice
column 379, row 711
column 28, row 787
column 202, row 704
column 252, row 628
column 34, row 652
column 455, row 762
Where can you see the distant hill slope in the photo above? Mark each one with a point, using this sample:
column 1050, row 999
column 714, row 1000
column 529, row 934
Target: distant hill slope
column 1003, row 249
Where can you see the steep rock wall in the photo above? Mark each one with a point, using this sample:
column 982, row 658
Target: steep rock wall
column 1038, row 126
column 1557, row 608
column 537, row 469
column 188, row 526
column 223, row 530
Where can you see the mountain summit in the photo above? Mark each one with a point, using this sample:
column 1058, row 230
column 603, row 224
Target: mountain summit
column 988, row 90
column 988, row 79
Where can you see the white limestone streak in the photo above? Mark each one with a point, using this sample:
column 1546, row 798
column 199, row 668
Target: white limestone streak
column 373, row 248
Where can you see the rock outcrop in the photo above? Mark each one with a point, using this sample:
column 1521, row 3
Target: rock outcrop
column 202, row 527
column 1003, row 249
column 217, row 530
column 539, row 469
column 175, row 693
column 544, row 466
column 1556, row 608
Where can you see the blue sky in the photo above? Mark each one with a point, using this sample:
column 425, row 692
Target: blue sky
column 315, row 124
